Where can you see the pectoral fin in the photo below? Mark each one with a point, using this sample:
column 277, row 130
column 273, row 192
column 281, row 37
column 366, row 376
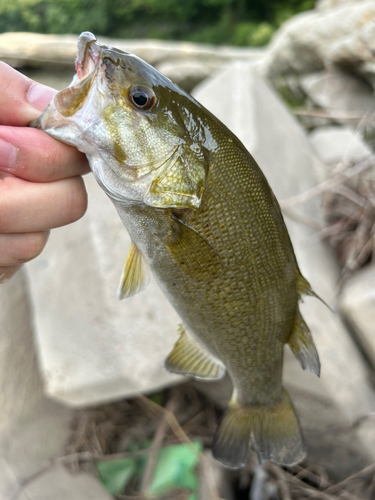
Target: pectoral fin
column 135, row 276
column 180, row 181
column 189, row 358
column 191, row 251
column 303, row 347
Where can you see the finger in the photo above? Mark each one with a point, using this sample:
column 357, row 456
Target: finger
column 21, row 99
column 16, row 249
column 29, row 207
column 7, row 272
column 35, row 156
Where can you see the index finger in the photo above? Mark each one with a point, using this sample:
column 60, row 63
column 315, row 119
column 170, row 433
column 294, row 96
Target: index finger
column 21, row 99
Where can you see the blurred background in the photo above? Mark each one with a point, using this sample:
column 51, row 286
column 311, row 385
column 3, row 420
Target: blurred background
column 233, row 22
column 88, row 410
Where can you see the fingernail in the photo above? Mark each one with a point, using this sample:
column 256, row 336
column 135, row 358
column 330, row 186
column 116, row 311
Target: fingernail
column 8, row 155
column 39, row 96
column 7, row 272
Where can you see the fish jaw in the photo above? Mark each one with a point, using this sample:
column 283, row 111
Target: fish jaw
column 157, row 156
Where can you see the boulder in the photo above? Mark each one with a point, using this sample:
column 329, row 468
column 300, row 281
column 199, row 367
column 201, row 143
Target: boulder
column 187, row 74
column 355, row 53
column 280, row 146
column 324, row 5
column 36, row 50
column 346, row 98
column 92, row 347
column 33, row 430
column 357, row 303
column 337, row 145
column 303, row 43
column 58, row 484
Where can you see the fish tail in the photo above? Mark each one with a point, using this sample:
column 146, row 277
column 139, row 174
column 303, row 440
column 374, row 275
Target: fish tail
column 274, row 431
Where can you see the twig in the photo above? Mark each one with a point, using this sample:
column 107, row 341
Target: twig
column 358, row 475
column 156, row 444
column 210, row 478
column 183, row 438
column 361, row 257
column 350, row 195
column 283, row 485
column 172, row 421
column 329, row 183
column 18, row 490
column 324, row 114
column 305, row 488
column 302, row 218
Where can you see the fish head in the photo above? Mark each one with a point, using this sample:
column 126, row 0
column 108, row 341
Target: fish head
column 147, row 141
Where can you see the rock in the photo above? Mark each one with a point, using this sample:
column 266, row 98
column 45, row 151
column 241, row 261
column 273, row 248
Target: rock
column 355, row 53
column 324, row 5
column 187, row 74
column 303, row 43
column 33, row 430
column 357, row 303
column 92, row 347
column 8, row 480
column 343, row 96
column 263, row 123
column 335, row 145
column 20, row 387
column 58, row 484
column 36, row 50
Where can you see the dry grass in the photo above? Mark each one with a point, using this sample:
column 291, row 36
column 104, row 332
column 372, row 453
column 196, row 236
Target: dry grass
column 108, row 432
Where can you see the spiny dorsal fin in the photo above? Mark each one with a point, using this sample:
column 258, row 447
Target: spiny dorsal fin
column 304, row 288
column 303, row 347
column 189, row 358
column 135, row 275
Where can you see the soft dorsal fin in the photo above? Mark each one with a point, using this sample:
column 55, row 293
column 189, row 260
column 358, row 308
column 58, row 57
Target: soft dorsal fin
column 303, row 347
column 304, row 288
column 189, row 358
column 135, row 275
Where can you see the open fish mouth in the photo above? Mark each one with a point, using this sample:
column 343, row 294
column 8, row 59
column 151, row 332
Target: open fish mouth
column 88, row 55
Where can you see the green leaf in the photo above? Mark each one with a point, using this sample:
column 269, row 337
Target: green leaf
column 175, row 468
column 115, row 474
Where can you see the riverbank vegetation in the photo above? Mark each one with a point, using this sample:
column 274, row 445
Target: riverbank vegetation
column 234, row 22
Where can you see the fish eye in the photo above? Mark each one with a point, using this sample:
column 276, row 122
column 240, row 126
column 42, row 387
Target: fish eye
column 142, row 98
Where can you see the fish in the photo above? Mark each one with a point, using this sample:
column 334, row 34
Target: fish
column 204, row 220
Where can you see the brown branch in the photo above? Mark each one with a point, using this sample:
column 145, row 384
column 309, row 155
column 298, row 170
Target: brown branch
column 305, row 488
column 302, row 219
column 358, row 475
column 324, row 114
column 155, row 447
column 329, row 183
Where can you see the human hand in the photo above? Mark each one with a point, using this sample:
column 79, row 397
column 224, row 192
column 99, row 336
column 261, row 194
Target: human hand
column 40, row 183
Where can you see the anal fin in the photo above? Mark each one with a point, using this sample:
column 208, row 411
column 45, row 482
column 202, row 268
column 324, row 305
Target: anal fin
column 135, row 275
column 303, row 347
column 189, row 358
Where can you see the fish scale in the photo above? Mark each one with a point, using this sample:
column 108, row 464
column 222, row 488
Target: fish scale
column 200, row 212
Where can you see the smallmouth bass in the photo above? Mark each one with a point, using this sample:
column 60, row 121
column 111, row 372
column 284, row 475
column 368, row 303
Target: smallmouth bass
column 202, row 216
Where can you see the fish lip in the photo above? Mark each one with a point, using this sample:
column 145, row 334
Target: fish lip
column 88, row 54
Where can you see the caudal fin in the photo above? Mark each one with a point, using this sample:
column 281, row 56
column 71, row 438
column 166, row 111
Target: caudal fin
column 274, row 431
